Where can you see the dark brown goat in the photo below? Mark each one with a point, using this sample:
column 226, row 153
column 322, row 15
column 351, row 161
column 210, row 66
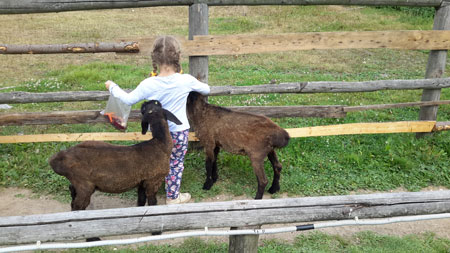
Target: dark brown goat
column 240, row 133
column 94, row 165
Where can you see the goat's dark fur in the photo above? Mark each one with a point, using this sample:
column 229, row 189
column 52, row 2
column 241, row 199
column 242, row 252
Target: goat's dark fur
column 94, row 165
column 240, row 133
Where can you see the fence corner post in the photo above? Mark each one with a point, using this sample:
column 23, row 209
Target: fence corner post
column 435, row 66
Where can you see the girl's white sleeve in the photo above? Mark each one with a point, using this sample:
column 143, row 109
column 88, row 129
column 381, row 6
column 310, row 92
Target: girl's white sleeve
column 131, row 98
column 200, row 87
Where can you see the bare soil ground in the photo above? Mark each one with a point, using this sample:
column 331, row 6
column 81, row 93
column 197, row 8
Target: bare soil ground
column 18, row 202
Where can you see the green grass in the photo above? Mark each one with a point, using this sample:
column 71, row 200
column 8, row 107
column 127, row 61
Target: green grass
column 310, row 242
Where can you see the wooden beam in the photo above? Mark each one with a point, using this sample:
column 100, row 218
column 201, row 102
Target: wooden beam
column 251, row 44
column 297, row 87
column 343, row 129
column 94, row 116
column 146, row 219
column 43, row 6
column 97, row 47
column 248, row 44
column 364, row 128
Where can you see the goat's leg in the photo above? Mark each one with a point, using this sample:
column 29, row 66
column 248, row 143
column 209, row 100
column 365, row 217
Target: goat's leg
column 151, row 188
column 258, row 168
column 215, row 174
column 73, row 192
column 82, row 193
column 142, row 197
column 209, row 168
column 276, row 171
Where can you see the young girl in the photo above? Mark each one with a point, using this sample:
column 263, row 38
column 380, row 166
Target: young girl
column 171, row 88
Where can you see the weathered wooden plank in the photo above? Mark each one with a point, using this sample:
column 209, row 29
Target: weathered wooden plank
column 435, row 66
column 364, row 128
column 42, row 6
column 298, row 87
column 136, row 220
column 97, row 47
column 251, row 43
column 248, row 44
column 94, row 116
column 391, row 106
column 344, row 129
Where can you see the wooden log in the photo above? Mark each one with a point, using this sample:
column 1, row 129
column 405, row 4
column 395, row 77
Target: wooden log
column 298, row 87
column 442, row 126
column 122, row 47
column 136, row 220
column 94, row 116
column 344, row 129
column 392, row 106
column 251, row 43
column 435, row 66
column 43, row 6
column 248, row 44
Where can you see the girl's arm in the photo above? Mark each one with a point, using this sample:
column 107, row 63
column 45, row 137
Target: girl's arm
column 128, row 98
column 200, row 87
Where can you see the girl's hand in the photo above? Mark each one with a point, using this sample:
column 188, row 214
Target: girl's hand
column 107, row 84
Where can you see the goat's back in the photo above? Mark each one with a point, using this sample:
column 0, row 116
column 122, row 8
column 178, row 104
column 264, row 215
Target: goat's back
column 238, row 132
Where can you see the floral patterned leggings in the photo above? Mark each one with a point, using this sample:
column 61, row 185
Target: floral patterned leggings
column 179, row 150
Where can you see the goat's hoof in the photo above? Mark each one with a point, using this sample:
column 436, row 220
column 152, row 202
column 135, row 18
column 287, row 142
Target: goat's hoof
column 207, row 186
column 93, row 239
column 273, row 190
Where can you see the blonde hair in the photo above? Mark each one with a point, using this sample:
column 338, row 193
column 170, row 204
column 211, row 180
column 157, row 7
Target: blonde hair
column 167, row 51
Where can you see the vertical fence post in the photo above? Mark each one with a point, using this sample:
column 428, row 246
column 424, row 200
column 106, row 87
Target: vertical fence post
column 435, row 66
column 198, row 25
column 243, row 243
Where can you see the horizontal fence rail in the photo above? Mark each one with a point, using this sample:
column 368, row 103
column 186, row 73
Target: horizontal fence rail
column 138, row 220
column 95, row 116
column 43, row 6
column 297, row 87
column 342, row 129
column 250, row 44
column 100, row 47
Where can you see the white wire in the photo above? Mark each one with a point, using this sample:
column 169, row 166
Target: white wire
column 206, row 232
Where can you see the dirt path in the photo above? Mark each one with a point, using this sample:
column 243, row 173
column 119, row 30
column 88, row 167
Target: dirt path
column 16, row 202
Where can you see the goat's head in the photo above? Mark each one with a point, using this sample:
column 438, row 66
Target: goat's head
column 152, row 111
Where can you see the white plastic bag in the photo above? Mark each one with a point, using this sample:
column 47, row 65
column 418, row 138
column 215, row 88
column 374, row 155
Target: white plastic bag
column 117, row 113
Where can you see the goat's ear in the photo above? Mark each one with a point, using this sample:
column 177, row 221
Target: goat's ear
column 171, row 117
column 144, row 125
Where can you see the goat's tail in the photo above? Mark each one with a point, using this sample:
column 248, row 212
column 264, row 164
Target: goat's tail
column 280, row 138
column 57, row 163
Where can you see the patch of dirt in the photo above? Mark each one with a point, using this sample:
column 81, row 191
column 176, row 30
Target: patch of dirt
column 18, row 202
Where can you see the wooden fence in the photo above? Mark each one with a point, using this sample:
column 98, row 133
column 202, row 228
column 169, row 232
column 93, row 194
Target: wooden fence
column 137, row 220
column 198, row 46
